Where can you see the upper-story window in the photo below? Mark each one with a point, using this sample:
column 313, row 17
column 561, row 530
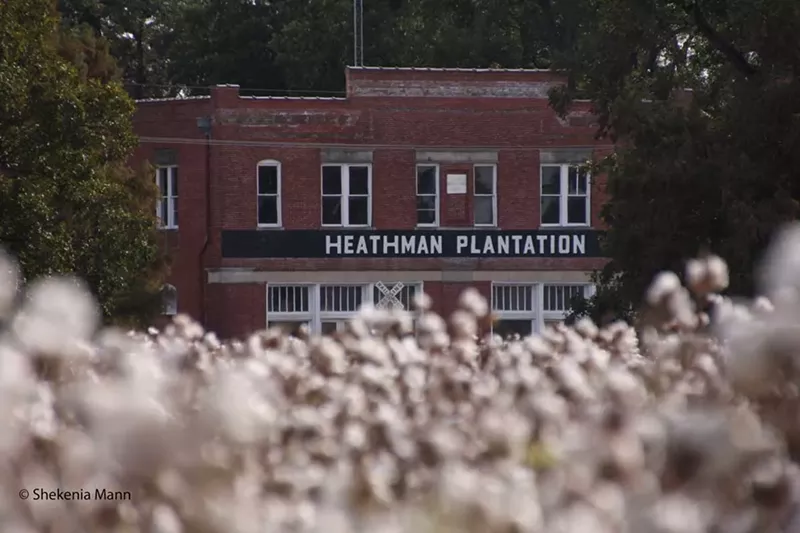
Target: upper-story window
column 167, row 209
column 427, row 195
column 269, row 193
column 565, row 196
column 346, row 195
column 485, row 195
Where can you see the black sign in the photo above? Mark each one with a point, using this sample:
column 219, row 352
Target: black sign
column 252, row 244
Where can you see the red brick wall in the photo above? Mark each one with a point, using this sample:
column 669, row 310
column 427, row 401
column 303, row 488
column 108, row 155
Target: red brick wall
column 236, row 310
column 292, row 131
column 178, row 120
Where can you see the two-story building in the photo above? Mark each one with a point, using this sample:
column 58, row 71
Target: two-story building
column 291, row 210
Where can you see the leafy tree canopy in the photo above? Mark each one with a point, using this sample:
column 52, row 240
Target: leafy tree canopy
column 711, row 169
column 68, row 202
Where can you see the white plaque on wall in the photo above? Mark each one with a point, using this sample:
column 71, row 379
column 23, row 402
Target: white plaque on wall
column 456, row 184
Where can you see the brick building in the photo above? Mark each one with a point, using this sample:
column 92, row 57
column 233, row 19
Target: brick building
column 297, row 210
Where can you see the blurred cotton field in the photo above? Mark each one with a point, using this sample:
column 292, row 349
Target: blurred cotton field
column 688, row 424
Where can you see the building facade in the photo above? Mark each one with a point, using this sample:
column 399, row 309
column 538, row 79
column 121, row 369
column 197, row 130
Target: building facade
column 290, row 210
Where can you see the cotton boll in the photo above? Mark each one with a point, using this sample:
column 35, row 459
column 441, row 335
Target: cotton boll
column 56, row 310
column 663, row 285
column 422, row 302
column 473, row 302
column 780, row 266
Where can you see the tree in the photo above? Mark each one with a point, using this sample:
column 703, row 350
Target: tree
column 225, row 41
column 68, row 203
column 139, row 34
column 714, row 171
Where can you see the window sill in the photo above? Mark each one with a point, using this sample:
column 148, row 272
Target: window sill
column 168, row 228
column 346, row 227
column 269, row 226
column 565, row 226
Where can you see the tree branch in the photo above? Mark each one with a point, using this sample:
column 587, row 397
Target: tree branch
column 727, row 49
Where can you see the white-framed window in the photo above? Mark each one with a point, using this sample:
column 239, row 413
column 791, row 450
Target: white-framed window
column 169, row 300
column 346, row 195
column 167, row 209
column 427, row 195
column 326, row 307
column 290, row 306
column 566, row 193
column 484, row 197
column 525, row 308
column 268, row 193
column 337, row 304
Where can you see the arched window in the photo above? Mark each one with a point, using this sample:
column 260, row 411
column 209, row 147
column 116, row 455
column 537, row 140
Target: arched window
column 169, row 299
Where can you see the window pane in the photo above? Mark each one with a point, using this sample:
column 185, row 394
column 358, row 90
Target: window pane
column 426, row 180
column 267, row 209
column 161, row 179
column 358, row 211
column 426, row 216
column 551, row 180
column 576, row 210
column 332, row 210
column 507, row 328
column 287, row 299
column 484, row 180
column 289, row 327
column 484, row 209
column 174, row 211
column 577, row 181
column 332, row 180
column 328, row 328
column 359, row 180
column 268, row 179
column 550, row 210
column 426, row 202
column 162, row 211
column 174, row 180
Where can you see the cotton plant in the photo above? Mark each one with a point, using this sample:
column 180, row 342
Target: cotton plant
column 686, row 424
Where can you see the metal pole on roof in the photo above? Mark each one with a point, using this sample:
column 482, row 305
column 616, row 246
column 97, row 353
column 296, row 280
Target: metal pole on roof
column 358, row 33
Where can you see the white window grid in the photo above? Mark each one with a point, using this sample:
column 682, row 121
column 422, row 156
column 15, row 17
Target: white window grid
column 541, row 303
column 167, row 208
column 492, row 196
column 318, row 303
column 261, row 194
column 345, row 194
column 435, row 195
column 568, row 189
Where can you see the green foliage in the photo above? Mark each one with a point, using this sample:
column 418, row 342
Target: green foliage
column 68, row 203
column 712, row 172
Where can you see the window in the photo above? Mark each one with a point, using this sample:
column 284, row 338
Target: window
column 167, row 210
column 337, row 304
column 346, row 193
column 427, row 195
column 565, row 196
column 515, row 309
column 269, row 193
column 169, row 300
column 484, row 195
column 326, row 308
column 527, row 308
column 289, row 307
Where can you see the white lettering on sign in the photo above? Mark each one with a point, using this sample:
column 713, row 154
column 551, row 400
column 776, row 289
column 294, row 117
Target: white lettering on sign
column 465, row 245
